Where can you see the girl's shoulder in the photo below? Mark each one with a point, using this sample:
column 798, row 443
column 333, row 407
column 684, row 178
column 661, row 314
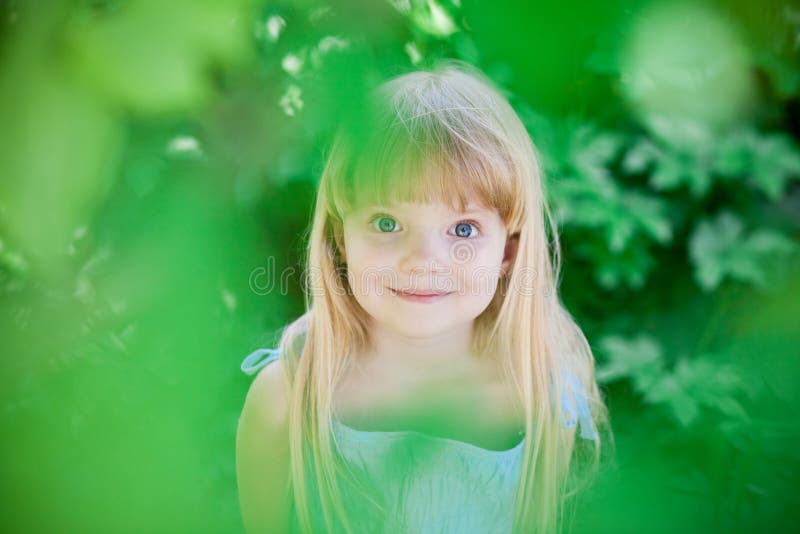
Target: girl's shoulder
column 270, row 388
column 273, row 368
column 267, row 399
column 262, row 448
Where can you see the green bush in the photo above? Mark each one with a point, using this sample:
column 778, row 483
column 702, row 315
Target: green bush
column 159, row 158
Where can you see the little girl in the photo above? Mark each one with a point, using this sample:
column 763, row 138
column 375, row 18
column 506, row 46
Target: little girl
column 435, row 383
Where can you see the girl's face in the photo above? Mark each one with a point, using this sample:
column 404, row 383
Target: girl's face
column 423, row 269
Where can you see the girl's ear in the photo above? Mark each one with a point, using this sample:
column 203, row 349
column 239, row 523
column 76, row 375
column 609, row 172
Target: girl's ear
column 510, row 252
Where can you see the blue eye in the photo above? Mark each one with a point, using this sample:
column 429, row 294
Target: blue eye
column 385, row 224
column 463, row 229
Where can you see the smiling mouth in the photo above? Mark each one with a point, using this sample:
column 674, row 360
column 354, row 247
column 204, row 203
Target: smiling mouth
column 419, row 296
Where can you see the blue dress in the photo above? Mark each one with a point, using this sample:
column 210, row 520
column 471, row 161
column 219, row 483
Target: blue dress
column 430, row 484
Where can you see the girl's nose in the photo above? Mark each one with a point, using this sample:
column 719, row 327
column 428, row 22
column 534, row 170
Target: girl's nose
column 425, row 253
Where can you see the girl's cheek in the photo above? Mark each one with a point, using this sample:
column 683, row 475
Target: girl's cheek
column 481, row 275
column 376, row 249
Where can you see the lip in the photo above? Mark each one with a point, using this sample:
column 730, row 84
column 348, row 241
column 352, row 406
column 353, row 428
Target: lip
column 420, row 296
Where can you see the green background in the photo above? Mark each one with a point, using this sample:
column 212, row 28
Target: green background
column 158, row 162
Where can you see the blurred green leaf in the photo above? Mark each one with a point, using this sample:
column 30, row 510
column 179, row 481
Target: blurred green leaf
column 641, row 156
column 630, row 267
column 776, row 161
column 691, row 387
column 590, row 153
column 432, row 18
column 718, row 248
column 153, row 57
column 57, row 155
column 638, row 358
column 768, row 162
column 669, row 391
column 733, row 154
column 700, row 383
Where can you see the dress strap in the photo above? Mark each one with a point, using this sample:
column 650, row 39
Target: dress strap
column 576, row 408
column 258, row 359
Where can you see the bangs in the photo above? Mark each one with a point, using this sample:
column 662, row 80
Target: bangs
column 425, row 152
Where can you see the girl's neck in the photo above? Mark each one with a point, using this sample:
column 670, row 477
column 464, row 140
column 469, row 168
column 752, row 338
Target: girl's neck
column 404, row 383
column 402, row 351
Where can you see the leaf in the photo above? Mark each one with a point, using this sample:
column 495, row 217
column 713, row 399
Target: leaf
column 699, row 179
column 432, row 18
column 708, row 243
column 60, row 146
column 678, row 168
column 650, row 214
column 691, row 387
column 147, row 58
column 641, row 156
column 585, row 195
column 667, row 176
column 715, row 386
column 629, row 267
column 638, row 358
column 777, row 161
column 668, row 391
column 619, row 233
column 767, row 242
column 733, row 155
column 731, row 407
column 681, row 134
column 590, row 154
column 695, row 386
column 719, row 249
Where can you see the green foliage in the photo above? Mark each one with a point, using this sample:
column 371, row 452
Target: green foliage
column 154, row 154
column 584, row 193
column 718, row 249
column 687, row 389
column 144, row 57
column 765, row 162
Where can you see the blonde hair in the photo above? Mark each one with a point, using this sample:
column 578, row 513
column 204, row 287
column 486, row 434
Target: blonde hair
column 422, row 129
